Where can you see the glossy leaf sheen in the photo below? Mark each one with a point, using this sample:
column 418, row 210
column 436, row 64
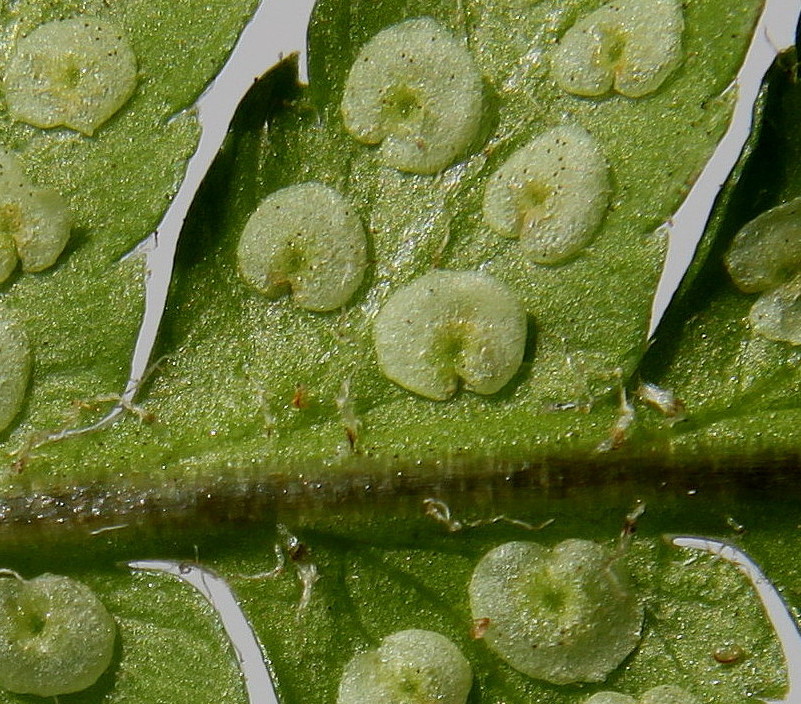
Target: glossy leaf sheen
column 170, row 647
column 250, row 389
column 260, row 387
column 727, row 353
column 383, row 573
column 81, row 315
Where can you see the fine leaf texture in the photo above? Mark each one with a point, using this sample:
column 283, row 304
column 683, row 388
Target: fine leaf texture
column 169, row 644
column 246, row 389
column 263, row 390
column 380, row 575
column 739, row 388
column 81, row 316
column 382, row 565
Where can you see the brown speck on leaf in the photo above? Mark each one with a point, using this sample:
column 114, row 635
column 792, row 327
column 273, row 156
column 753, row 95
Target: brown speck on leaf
column 351, row 433
column 728, row 654
column 298, row 552
column 300, row 399
column 479, row 628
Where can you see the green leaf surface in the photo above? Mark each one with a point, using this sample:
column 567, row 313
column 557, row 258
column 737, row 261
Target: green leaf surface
column 269, row 391
column 383, row 565
column 739, row 388
column 243, row 406
column 383, row 575
column 170, row 646
column 82, row 315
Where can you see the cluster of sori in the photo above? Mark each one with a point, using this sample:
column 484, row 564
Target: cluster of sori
column 74, row 73
column 416, row 96
column 563, row 615
column 765, row 258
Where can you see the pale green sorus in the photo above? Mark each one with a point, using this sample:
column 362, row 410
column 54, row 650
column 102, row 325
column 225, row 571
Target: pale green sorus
column 34, row 222
column 416, row 91
column 412, row 667
column 306, row 239
column 58, row 638
column 551, row 194
column 451, row 327
column 565, row 614
column 15, row 370
column 765, row 257
column 662, row 694
column 626, row 46
column 75, row 72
